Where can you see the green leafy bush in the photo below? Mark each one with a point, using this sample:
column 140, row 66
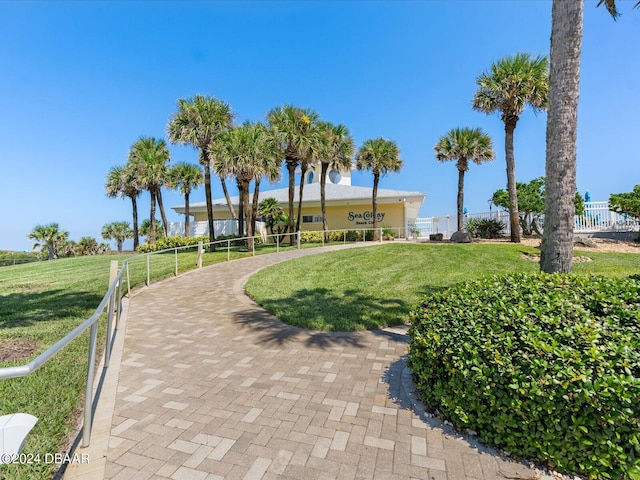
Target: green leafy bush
column 544, row 366
column 175, row 241
column 485, row 227
column 311, row 237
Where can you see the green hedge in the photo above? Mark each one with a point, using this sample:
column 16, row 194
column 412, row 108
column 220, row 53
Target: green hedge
column 544, row 366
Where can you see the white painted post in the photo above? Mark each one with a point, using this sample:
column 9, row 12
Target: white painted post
column 200, row 252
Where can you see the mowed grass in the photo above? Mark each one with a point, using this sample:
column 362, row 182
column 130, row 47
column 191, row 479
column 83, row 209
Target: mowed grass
column 42, row 302
column 374, row 287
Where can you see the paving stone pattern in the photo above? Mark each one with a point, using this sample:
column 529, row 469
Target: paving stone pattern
column 212, row 387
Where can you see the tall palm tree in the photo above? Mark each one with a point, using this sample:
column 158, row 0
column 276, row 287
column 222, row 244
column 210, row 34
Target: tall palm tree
column 50, row 237
column 381, row 156
column 121, row 181
column 150, row 157
column 338, row 155
column 118, row 231
column 298, row 138
column 464, row 144
column 508, row 87
column 566, row 43
column 186, row 177
column 199, row 122
column 245, row 152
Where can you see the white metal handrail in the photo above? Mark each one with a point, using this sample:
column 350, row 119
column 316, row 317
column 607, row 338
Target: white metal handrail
column 112, row 301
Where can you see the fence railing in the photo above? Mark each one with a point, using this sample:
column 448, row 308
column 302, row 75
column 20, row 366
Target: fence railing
column 597, row 217
column 166, row 263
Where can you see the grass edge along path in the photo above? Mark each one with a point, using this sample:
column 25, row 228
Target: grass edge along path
column 376, row 287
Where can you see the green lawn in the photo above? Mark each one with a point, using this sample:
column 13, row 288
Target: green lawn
column 376, row 286
column 346, row 290
column 42, row 302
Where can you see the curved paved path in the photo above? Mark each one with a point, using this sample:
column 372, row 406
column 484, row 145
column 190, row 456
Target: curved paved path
column 211, row 387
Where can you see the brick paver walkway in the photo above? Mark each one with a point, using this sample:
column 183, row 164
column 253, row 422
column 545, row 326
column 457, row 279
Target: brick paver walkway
column 211, row 387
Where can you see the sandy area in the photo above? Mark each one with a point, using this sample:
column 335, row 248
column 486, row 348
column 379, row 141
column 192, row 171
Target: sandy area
column 604, row 245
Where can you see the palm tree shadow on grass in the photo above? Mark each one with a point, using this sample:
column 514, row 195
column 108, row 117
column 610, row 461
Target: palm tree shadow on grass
column 24, row 309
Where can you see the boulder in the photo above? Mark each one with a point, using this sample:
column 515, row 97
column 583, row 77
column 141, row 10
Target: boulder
column 461, row 236
column 584, row 242
column 437, row 237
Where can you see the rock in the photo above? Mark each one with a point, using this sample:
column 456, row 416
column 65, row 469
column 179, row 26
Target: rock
column 461, row 237
column 436, row 237
column 584, row 242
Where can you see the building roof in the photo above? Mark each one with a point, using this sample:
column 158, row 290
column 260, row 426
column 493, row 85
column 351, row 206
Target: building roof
column 334, row 195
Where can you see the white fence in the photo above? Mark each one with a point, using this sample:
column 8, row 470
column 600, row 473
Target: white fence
column 596, row 218
column 220, row 227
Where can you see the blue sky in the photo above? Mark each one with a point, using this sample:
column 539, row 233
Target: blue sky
column 81, row 81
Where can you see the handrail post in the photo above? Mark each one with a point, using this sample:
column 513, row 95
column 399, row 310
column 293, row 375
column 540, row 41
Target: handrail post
column 176, row 254
column 380, row 234
column 113, row 273
column 88, row 396
column 253, row 246
column 344, row 236
column 128, row 281
column 299, row 239
column 323, row 233
column 200, row 249
column 228, row 250
column 278, row 243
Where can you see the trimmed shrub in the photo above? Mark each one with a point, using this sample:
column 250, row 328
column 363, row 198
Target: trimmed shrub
column 171, row 242
column 485, row 227
column 544, row 366
column 311, row 237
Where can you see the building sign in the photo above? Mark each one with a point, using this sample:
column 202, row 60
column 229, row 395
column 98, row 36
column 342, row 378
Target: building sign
column 365, row 218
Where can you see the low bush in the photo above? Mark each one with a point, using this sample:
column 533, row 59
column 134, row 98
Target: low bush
column 311, row 237
column 485, row 227
column 175, row 241
column 544, row 366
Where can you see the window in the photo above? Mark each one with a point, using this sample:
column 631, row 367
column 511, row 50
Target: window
column 312, row 219
column 310, row 176
column 335, row 176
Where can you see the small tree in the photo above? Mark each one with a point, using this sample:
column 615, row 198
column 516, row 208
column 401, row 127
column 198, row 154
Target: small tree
column 626, row 203
column 271, row 211
column 49, row 238
column 185, row 177
column 531, row 203
column 87, row 246
column 118, row 231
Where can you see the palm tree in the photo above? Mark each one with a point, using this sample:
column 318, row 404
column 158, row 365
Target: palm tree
column 121, row 181
column 199, row 122
column 566, row 42
column 338, row 155
column 464, row 144
column 269, row 209
column 118, row 231
column 245, row 152
column 510, row 85
column 50, row 237
column 150, row 157
column 381, row 156
column 185, row 177
column 298, row 138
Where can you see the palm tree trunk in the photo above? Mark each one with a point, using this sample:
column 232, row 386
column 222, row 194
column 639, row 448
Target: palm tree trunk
column 254, row 208
column 207, row 194
column 323, row 204
column 136, row 234
column 291, row 168
column 374, row 206
column 152, row 219
column 241, row 211
column 186, row 215
column 562, row 121
column 165, row 224
column 514, row 218
column 227, row 198
column 460, row 198
column 119, row 243
column 247, row 212
column 303, row 171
